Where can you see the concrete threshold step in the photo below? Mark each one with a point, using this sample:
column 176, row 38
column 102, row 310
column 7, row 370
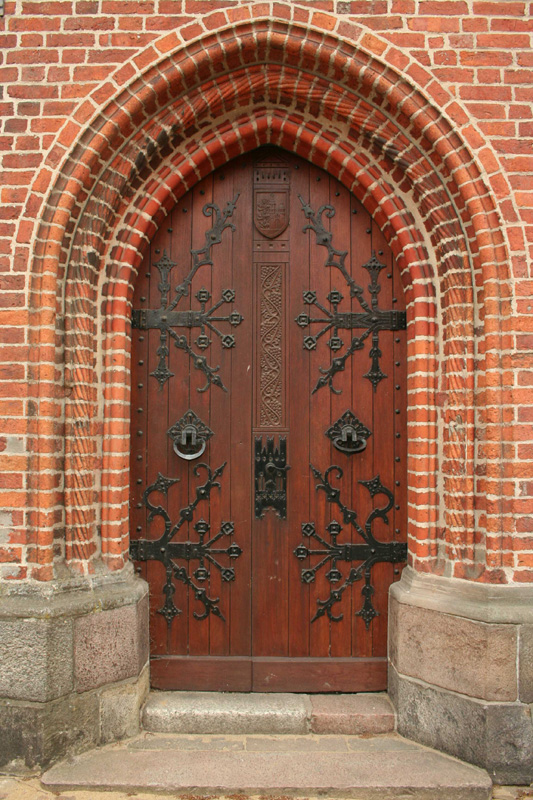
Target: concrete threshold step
column 384, row 767
column 268, row 713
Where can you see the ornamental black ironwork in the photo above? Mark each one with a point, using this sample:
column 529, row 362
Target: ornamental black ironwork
column 167, row 318
column 371, row 319
column 189, row 436
column 369, row 552
column 169, row 552
column 271, row 477
column 348, row 434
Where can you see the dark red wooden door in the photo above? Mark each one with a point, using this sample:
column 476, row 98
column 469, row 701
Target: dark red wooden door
column 268, row 434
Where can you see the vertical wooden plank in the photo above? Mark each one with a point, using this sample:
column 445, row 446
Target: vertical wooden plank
column 239, row 422
column 362, row 406
column 222, row 279
column 178, row 230
column 400, row 421
column 299, row 415
column 383, row 462
column 199, row 399
column 270, row 565
column 157, row 403
column 339, row 199
column 139, row 417
column 320, row 411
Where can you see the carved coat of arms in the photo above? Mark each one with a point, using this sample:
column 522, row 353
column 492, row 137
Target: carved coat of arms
column 271, row 212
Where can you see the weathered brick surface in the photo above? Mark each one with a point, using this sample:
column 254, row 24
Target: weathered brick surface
column 110, row 110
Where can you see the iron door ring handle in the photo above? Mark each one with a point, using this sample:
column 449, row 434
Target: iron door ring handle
column 352, row 447
column 189, row 456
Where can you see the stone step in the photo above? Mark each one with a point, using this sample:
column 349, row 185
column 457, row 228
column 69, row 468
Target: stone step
column 234, row 713
column 384, row 767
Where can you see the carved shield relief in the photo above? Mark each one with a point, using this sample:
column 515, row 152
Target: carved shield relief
column 271, row 198
column 271, row 212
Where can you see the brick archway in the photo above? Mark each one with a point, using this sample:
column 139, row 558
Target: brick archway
column 191, row 110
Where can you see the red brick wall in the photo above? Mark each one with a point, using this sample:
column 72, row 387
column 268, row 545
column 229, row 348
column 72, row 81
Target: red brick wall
column 112, row 109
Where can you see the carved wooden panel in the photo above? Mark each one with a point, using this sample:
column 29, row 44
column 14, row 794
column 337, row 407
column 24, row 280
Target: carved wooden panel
column 270, row 365
column 271, row 197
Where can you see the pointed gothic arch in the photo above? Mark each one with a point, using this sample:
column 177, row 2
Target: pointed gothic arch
column 192, row 108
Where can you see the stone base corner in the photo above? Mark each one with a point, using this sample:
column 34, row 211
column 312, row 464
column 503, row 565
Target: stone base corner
column 73, row 672
column 461, row 671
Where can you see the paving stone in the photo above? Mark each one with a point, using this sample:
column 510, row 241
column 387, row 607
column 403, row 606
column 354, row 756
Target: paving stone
column 214, row 712
column 380, row 744
column 351, row 713
column 308, row 744
column 177, row 742
column 365, row 774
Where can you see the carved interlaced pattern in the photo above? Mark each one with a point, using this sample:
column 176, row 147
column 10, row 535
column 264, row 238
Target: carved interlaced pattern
column 271, row 278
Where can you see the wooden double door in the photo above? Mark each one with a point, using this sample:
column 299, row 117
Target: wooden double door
column 268, row 434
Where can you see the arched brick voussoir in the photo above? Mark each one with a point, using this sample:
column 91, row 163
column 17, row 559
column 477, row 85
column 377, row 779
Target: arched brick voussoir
column 339, row 107
column 319, row 53
column 175, row 176
column 134, row 228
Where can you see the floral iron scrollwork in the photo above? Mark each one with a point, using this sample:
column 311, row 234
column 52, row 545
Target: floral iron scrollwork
column 330, row 553
column 167, row 318
column 348, row 434
column 169, row 552
column 371, row 320
column 189, row 436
